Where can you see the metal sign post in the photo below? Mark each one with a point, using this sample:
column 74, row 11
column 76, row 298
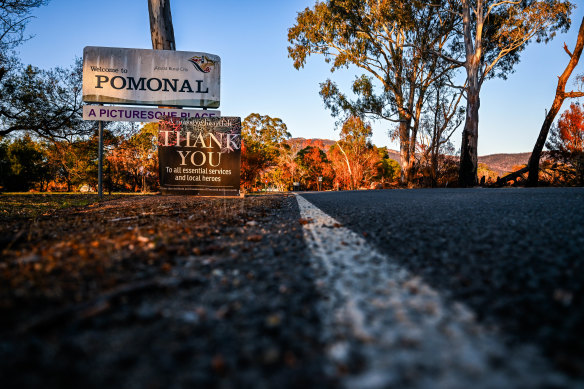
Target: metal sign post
column 100, row 161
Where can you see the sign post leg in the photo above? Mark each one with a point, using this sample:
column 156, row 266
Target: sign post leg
column 100, row 162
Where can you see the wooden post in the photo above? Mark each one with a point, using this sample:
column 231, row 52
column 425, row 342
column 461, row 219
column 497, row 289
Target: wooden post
column 161, row 25
column 161, row 29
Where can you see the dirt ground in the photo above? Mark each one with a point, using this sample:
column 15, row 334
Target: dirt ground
column 158, row 292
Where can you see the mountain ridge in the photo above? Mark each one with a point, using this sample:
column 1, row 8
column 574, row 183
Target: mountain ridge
column 502, row 163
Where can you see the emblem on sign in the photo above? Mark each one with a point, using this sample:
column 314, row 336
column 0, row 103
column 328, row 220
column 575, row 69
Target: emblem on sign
column 202, row 63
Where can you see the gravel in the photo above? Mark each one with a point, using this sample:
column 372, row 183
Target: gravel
column 235, row 311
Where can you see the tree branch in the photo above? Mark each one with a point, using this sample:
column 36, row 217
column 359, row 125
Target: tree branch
column 567, row 50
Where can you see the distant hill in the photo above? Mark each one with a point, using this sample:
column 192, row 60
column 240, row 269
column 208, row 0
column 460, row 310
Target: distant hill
column 393, row 154
column 324, row 144
column 504, row 163
column 500, row 163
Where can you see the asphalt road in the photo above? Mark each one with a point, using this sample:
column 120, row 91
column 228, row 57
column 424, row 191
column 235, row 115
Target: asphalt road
column 416, row 289
column 513, row 256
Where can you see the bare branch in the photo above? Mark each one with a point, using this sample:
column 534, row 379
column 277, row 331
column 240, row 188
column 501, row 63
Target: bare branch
column 493, row 6
column 567, row 50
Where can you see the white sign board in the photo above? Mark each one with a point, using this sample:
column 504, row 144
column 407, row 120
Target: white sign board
column 142, row 114
column 151, row 77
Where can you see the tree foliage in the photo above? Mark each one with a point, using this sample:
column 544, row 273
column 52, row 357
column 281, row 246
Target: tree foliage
column 46, row 103
column 313, row 163
column 262, row 142
column 23, row 164
column 353, row 156
column 566, row 145
column 14, row 16
column 392, row 42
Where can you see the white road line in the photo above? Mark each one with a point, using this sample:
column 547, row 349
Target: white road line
column 389, row 329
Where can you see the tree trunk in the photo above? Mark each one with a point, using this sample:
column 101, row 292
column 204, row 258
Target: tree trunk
column 406, row 159
column 434, row 166
column 161, row 25
column 467, row 173
column 561, row 95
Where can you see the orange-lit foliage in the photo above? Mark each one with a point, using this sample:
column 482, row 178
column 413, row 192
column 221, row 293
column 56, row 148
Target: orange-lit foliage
column 353, row 157
column 314, row 164
column 132, row 165
column 571, row 130
column 566, row 146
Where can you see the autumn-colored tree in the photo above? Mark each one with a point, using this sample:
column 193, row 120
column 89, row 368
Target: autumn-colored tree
column 132, row 164
column 313, row 163
column 278, row 177
column 391, row 42
column 566, row 145
column 353, row 156
column 493, row 34
column 262, row 142
column 74, row 160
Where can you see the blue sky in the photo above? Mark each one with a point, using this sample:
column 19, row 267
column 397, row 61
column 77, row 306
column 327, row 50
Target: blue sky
column 257, row 75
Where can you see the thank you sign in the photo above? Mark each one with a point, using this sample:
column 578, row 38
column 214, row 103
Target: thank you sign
column 151, row 77
column 200, row 156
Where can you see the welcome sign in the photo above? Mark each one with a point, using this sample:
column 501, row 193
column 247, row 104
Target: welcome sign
column 151, row 77
column 200, row 156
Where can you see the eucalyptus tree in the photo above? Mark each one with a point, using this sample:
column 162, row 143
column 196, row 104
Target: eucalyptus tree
column 263, row 139
column 393, row 43
column 561, row 95
column 493, row 34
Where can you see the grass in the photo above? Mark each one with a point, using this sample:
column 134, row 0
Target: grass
column 32, row 205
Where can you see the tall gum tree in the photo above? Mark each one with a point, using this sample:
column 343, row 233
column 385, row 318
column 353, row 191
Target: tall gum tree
column 561, row 95
column 391, row 42
column 494, row 32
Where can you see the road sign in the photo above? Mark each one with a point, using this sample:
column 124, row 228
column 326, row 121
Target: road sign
column 151, row 77
column 200, row 156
